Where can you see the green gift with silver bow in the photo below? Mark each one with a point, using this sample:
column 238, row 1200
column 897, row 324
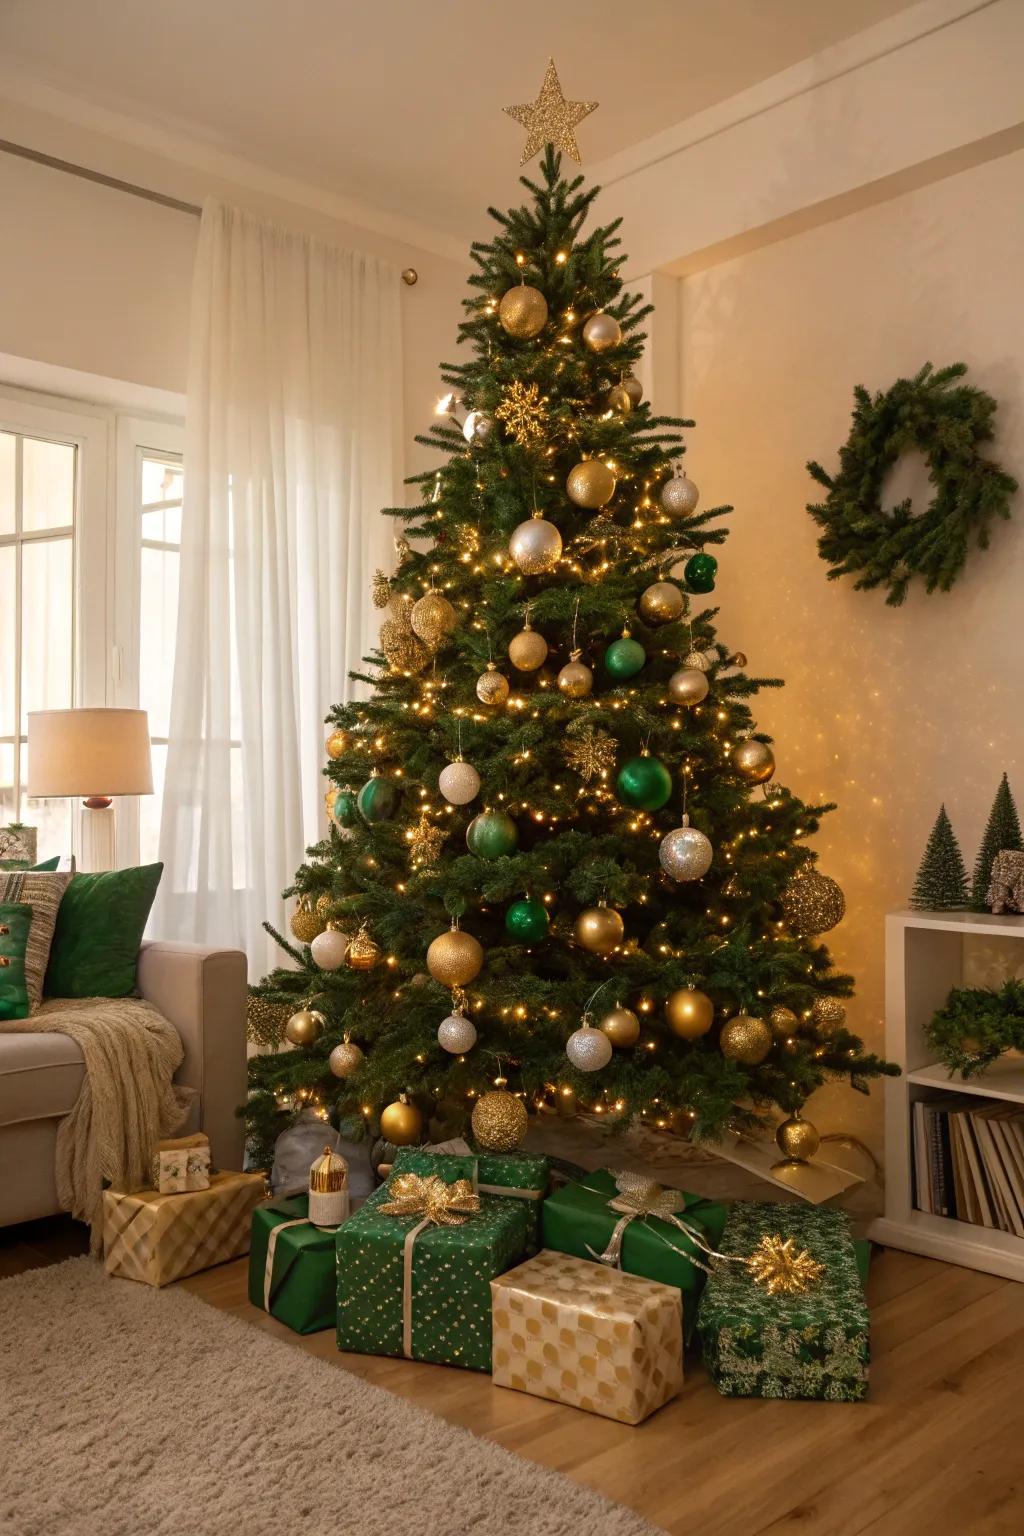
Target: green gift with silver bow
column 637, row 1225
column 522, row 1176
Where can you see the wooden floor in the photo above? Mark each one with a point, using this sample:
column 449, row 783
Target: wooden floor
column 938, row 1448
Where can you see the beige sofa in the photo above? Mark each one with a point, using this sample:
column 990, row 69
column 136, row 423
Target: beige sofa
column 202, row 992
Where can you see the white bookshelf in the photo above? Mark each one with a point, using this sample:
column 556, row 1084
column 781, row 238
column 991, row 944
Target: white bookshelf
column 926, row 954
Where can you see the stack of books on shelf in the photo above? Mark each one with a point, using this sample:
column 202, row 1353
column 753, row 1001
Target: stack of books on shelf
column 969, row 1161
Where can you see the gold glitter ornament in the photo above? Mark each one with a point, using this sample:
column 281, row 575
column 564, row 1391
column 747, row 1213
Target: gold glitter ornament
column 690, row 1013
column 523, row 409
column 745, row 1039
column 362, row 953
column 499, row 1120
column 337, row 743
column 812, row 903
column 345, row 1059
column 305, row 1027
column 782, row 1022
column 621, row 1025
column 782, row 1269
column 306, row 922
column 754, row 761
column 599, row 930
column 401, row 1123
column 380, row 589
column 455, row 958
column 432, row 619
column 492, row 686
column 264, row 1020
column 403, row 651
column 551, row 119
column 601, row 332
column 591, row 754
column 828, row 1014
column 535, row 546
column 590, row 484
column 797, row 1139
column 698, row 661
column 661, row 603
column 325, row 906
column 523, row 312
column 425, row 842
column 528, row 650
column 575, row 679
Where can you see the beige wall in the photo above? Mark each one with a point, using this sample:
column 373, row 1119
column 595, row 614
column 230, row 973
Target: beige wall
column 887, row 711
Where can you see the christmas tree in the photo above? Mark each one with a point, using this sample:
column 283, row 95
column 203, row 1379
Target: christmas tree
column 941, row 883
column 1001, row 831
column 557, row 858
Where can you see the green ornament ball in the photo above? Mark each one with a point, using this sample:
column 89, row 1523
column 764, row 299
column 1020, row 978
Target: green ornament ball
column 346, row 808
column 700, row 572
column 527, row 921
column 624, row 658
column 378, row 799
column 644, row 783
column 492, row 835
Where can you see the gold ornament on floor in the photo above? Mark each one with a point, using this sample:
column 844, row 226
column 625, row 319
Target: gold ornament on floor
column 492, row 686
column 305, row 1027
column 425, row 842
column 403, row 651
column 754, row 761
column 782, row 1268
column 345, row 1059
column 362, row 953
column 455, row 958
column 622, row 1027
column 782, row 1022
column 499, row 1120
column 601, row 332
column 590, row 484
column 306, row 922
column 828, row 1014
column 575, row 679
column 523, row 409
column 523, row 312
column 592, row 753
column 690, row 1013
column 264, row 1020
column 797, row 1139
column 528, row 650
column 535, row 546
column 433, row 618
column 337, row 743
column 401, row 1123
column 599, row 930
column 745, row 1039
column 551, row 119
column 812, row 903
column 661, row 603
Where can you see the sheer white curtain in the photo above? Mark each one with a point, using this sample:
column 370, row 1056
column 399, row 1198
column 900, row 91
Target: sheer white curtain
column 293, row 424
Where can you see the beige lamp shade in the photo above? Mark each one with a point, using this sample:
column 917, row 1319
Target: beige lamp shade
column 88, row 752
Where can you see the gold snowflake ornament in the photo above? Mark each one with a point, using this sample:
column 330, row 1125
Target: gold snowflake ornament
column 523, row 409
column 551, row 119
column 425, row 842
column 782, row 1268
column 591, row 754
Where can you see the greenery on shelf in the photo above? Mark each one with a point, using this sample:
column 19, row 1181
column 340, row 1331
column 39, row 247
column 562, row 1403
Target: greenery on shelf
column 941, row 883
column 1002, row 830
column 394, row 870
column 976, row 1025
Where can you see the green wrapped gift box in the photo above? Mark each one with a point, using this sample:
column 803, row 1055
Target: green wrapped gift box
column 513, row 1175
column 579, row 1219
column 812, row 1345
column 291, row 1266
column 428, row 1296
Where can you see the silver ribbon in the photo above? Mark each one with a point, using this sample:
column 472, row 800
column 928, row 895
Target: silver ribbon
column 640, row 1198
column 268, row 1268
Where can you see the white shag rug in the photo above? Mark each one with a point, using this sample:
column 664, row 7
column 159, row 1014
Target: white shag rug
column 126, row 1411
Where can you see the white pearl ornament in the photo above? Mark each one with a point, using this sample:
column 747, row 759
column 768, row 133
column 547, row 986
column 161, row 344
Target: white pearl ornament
column 456, row 1034
column 329, row 948
column 589, row 1049
column 459, row 783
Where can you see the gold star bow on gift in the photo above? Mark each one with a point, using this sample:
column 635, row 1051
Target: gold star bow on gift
column 551, row 119
column 782, row 1268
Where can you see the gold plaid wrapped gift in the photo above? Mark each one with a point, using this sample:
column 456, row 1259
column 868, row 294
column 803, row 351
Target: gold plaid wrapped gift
column 586, row 1335
column 159, row 1238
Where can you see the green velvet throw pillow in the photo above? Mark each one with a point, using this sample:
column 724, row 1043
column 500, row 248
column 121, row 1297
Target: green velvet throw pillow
column 47, row 865
column 15, row 922
column 100, row 924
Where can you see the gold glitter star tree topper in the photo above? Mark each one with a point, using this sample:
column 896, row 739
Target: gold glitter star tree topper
column 551, row 119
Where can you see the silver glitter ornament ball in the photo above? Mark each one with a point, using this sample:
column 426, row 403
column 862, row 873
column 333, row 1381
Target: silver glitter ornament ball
column 679, row 496
column 661, row 603
column 698, row 661
column 459, row 783
column 589, row 1049
column 456, row 1034
column 601, row 331
column 535, row 546
column 685, row 853
column 688, row 686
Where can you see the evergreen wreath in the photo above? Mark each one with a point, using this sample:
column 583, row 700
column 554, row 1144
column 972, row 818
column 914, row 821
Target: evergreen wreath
column 947, row 422
column 976, row 1025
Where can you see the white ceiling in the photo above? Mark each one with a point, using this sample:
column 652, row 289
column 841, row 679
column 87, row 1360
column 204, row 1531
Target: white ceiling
column 397, row 103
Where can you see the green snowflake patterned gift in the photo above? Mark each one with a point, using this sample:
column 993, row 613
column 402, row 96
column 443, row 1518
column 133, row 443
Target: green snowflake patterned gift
column 783, row 1314
column 415, row 1265
column 513, row 1175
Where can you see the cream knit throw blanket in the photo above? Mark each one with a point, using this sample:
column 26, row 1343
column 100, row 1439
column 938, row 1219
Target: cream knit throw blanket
column 126, row 1103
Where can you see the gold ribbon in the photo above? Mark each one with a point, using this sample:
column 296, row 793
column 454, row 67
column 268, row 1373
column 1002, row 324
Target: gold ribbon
column 639, row 1196
column 439, row 1204
column 268, row 1268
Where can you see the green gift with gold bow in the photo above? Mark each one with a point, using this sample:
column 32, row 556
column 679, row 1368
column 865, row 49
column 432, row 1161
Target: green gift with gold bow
column 522, row 1176
column 415, row 1265
column 640, row 1226
column 291, row 1265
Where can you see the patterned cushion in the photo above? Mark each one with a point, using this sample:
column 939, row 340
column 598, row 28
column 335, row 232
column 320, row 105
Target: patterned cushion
column 43, row 893
column 15, row 922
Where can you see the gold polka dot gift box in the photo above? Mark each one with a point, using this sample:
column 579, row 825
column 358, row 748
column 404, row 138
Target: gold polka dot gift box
column 595, row 1338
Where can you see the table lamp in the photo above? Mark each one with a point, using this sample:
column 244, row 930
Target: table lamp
column 92, row 754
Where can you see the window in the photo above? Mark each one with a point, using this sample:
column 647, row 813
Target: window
column 160, row 492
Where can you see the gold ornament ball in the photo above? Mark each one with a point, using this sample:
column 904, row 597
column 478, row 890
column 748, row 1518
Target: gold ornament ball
column 491, row 686
column 305, row 1027
column 455, row 958
column 634, row 389
column 535, row 546
column 591, row 484
column 828, row 1014
column 690, row 1013
column 345, row 1059
column 523, row 312
column 362, row 953
column 745, row 1039
column 812, row 903
column 783, row 1022
column 499, row 1121
column 575, row 679
column 528, row 650
column 401, row 1124
column 306, row 922
column 337, row 743
column 433, row 618
column 688, row 686
column 325, row 906
column 601, row 331
column 621, row 1026
column 797, row 1139
column 661, row 603
column 619, row 400
column 402, row 651
column 599, row 930
column 754, row 761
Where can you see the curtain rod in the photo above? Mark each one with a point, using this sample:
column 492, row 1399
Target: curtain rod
column 409, row 276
